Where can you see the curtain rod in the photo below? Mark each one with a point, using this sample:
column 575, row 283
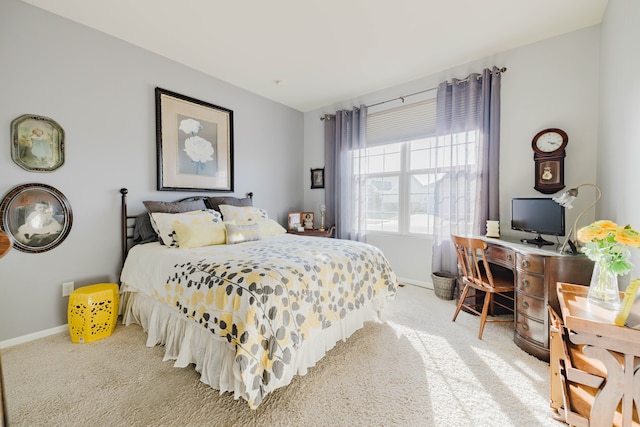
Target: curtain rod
column 466, row 79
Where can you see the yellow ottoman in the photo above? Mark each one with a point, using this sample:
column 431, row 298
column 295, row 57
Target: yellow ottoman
column 93, row 312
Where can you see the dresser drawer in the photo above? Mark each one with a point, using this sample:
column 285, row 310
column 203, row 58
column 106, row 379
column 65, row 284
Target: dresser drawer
column 530, row 284
column 530, row 263
column 530, row 306
column 502, row 256
column 531, row 329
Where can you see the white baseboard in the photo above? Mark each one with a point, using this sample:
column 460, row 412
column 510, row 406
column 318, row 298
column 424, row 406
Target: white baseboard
column 34, row 336
column 420, row 283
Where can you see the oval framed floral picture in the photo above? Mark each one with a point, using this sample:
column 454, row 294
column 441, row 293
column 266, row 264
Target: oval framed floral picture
column 194, row 144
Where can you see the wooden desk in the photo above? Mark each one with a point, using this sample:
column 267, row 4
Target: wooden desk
column 535, row 273
column 616, row 347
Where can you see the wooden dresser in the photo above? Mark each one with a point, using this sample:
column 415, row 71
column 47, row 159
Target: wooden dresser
column 535, row 274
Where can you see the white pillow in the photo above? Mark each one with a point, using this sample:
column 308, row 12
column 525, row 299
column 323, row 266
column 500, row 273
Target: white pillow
column 242, row 214
column 201, row 234
column 166, row 221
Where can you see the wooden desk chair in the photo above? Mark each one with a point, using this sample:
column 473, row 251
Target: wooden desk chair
column 477, row 274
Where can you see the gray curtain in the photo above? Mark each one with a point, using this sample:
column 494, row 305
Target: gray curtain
column 468, row 194
column 344, row 132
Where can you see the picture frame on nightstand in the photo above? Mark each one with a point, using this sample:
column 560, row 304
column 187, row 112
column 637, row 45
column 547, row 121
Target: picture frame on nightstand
column 294, row 220
column 307, row 220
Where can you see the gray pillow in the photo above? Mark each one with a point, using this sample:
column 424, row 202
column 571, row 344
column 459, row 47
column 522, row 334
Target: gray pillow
column 143, row 232
column 215, row 202
column 175, row 207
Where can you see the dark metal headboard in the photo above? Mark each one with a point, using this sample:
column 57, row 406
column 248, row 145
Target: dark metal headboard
column 128, row 222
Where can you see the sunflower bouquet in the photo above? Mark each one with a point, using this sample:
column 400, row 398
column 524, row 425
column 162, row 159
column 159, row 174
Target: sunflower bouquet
column 607, row 243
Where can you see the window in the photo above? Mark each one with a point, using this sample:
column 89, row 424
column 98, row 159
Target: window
column 399, row 175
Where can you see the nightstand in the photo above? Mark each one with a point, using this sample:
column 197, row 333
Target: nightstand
column 315, row 232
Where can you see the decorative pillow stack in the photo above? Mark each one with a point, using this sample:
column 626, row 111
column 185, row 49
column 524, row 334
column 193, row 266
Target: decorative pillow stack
column 192, row 224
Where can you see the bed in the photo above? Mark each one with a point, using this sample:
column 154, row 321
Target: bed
column 251, row 307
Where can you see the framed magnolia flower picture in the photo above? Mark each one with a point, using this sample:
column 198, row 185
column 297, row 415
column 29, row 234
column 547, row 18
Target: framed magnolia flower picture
column 194, row 144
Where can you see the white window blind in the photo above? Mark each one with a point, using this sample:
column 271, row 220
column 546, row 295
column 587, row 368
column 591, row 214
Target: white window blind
column 404, row 123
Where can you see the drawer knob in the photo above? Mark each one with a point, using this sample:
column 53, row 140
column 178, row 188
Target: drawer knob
column 525, row 283
column 509, row 258
column 526, row 264
column 525, row 326
column 525, row 305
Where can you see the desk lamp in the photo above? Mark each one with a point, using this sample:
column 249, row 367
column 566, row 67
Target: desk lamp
column 566, row 200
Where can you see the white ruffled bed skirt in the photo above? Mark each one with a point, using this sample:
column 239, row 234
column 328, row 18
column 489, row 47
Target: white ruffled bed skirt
column 214, row 358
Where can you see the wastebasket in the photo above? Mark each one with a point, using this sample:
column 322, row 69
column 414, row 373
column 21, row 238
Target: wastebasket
column 443, row 284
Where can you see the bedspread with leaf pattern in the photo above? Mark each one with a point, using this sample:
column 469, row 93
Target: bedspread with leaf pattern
column 273, row 295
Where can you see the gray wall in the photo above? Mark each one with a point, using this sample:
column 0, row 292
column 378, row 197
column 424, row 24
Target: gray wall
column 101, row 91
column 552, row 83
column 619, row 106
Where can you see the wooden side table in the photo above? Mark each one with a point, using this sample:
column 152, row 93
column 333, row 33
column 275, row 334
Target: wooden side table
column 316, row 233
column 615, row 347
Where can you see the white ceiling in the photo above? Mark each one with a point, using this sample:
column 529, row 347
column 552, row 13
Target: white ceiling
column 331, row 50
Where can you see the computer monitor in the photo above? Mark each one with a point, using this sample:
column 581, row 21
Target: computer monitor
column 537, row 215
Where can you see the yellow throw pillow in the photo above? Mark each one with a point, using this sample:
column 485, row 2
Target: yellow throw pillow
column 242, row 213
column 200, row 234
column 269, row 227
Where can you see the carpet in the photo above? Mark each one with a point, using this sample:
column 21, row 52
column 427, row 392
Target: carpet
column 416, row 369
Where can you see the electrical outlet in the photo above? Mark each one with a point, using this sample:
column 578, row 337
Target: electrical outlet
column 67, row 288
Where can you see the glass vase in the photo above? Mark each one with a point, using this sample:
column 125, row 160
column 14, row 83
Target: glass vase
column 603, row 290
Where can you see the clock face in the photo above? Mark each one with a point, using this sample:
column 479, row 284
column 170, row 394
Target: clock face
column 548, row 142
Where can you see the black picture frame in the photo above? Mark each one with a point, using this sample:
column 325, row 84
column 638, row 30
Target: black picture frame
column 37, row 217
column 317, row 178
column 194, row 143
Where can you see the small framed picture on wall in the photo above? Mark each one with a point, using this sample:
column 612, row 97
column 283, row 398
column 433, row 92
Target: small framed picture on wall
column 317, row 178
